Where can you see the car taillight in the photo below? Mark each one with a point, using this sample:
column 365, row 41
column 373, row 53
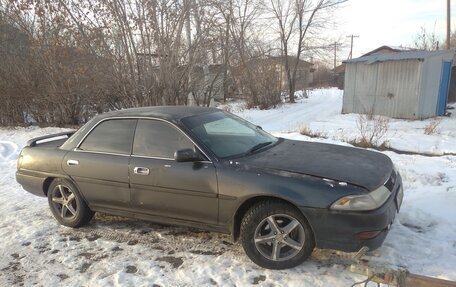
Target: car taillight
column 19, row 161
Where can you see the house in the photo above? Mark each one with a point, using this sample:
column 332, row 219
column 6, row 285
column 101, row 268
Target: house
column 207, row 83
column 339, row 76
column 409, row 85
column 270, row 73
column 385, row 49
column 304, row 72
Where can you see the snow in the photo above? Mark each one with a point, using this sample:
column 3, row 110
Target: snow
column 321, row 112
column 117, row 251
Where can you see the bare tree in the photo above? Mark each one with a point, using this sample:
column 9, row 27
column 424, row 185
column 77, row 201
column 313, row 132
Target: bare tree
column 295, row 20
column 65, row 60
column 241, row 15
column 425, row 40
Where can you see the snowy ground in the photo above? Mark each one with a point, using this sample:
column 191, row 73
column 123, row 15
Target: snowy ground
column 114, row 251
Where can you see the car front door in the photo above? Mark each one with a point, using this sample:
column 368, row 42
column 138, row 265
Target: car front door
column 163, row 187
column 99, row 165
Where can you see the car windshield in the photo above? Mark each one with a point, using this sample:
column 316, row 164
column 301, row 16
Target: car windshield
column 227, row 135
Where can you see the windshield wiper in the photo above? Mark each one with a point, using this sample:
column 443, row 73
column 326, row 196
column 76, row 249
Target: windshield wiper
column 257, row 147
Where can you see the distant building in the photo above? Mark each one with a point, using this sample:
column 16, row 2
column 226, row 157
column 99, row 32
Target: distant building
column 339, row 76
column 339, row 71
column 304, row 72
column 409, row 85
column 207, row 82
column 272, row 70
column 386, row 49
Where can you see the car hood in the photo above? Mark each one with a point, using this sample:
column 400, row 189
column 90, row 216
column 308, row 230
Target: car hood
column 368, row 169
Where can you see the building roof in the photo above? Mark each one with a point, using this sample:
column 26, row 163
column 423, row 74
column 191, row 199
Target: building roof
column 385, row 49
column 390, row 49
column 171, row 113
column 339, row 69
column 409, row 55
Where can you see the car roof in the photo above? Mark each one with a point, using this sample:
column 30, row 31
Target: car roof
column 171, row 113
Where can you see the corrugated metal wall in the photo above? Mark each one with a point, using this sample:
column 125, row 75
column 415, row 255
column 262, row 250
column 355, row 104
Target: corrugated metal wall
column 385, row 88
column 400, row 85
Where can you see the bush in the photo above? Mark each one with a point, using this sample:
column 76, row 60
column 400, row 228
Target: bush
column 372, row 130
column 261, row 85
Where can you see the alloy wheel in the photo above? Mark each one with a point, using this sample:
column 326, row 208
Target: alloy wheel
column 279, row 237
column 64, row 202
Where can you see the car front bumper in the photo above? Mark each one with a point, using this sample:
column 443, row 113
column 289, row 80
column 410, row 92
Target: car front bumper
column 337, row 229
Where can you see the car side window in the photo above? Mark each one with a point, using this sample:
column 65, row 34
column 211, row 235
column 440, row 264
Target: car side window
column 158, row 139
column 113, row 136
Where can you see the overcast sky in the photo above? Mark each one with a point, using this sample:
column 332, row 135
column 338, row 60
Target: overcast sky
column 389, row 22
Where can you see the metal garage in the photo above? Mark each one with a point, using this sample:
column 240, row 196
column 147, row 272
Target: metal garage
column 409, row 85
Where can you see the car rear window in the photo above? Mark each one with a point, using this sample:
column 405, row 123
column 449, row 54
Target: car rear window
column 111, row 136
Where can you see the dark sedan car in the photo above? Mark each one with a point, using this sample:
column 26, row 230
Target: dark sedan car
column 207, row 168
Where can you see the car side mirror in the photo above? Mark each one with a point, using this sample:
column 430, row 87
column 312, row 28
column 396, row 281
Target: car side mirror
column 259, row 127
column 185, row 155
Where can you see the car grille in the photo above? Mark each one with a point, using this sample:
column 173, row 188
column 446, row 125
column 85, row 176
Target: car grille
column 391, row 181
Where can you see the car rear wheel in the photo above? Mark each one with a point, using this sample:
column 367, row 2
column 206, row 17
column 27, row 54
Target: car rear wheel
column 275, row 235
column 67, row 205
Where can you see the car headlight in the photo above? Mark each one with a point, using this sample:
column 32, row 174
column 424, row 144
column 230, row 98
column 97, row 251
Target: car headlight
column 363, row 202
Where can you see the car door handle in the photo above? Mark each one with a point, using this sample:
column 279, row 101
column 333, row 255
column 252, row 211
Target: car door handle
column 141, row 170
column 72, row 162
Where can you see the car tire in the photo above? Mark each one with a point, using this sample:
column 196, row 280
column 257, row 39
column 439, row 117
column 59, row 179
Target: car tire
column 67, row 204
column 275, row 235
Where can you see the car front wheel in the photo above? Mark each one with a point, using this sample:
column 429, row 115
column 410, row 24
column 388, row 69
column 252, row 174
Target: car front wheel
column 275, row 235
column 67, row 205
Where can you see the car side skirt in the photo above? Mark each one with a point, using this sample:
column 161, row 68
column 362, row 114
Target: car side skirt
column 161, row 219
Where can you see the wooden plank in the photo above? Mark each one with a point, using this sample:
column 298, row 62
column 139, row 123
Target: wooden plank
column 414, row 280
column 400, row 278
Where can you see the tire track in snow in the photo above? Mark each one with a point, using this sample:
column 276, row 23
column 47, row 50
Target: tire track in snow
column 126, row 231
column 7, row 150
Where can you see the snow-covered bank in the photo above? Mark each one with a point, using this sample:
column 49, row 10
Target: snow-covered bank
column 115, row 251
column 321, row 113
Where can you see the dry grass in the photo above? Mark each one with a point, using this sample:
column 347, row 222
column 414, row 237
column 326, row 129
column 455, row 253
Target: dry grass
column 432, row 127
column 372, row 129
column 306, row 131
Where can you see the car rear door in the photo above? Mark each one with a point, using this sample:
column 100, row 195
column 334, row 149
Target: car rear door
column 99, row 165
column 163, row 187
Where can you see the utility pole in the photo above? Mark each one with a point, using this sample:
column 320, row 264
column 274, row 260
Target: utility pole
column 351, row 44
column 336, row 45
column 448, row 46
